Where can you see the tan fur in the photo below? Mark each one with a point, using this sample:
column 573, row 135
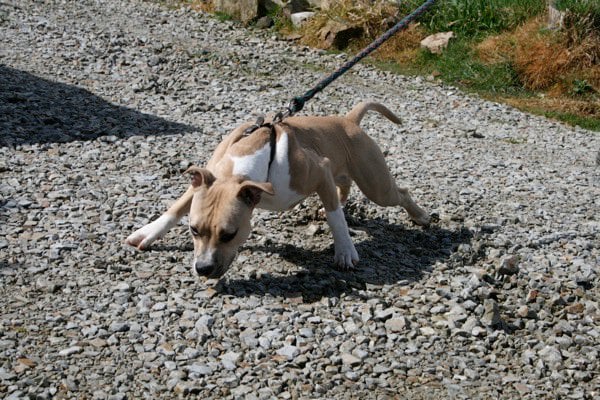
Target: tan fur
column 218, row 212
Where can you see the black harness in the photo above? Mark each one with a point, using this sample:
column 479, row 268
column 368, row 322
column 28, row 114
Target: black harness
column 260, row 123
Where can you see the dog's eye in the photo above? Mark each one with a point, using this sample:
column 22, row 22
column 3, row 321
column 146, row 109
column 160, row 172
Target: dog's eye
column 194, row 231
column 225, row 237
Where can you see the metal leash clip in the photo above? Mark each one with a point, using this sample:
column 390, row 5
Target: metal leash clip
column 259, row 122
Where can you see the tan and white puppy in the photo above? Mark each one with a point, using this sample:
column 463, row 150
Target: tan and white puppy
column 312, row 154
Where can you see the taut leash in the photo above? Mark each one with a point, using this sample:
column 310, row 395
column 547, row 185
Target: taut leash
column 297, row 103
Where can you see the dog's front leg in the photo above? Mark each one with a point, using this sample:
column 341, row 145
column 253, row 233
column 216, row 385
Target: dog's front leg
column 146, row 235
column 346, row 255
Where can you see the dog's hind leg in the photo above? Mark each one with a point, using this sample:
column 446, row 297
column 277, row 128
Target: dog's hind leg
column 372, row 176
column 146, row 235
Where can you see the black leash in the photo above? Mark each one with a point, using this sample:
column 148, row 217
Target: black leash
column 297, row 103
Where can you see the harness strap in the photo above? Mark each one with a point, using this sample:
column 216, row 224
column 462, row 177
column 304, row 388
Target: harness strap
column 273, row 143
column 260, row 123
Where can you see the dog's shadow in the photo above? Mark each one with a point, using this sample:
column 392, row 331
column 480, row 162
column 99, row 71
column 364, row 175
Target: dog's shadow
column 389, row 254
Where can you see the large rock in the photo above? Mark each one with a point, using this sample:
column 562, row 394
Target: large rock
column 301, row 17
column 298, row 6
column 438, row 42
column 555, row 16
column 337, row 34
column 320, row 4
column 245, row 10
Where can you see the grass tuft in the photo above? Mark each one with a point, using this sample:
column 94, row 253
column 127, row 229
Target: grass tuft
column 373, row 18
column 581, row 18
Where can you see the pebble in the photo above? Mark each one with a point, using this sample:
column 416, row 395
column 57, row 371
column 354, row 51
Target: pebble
column 551, row 355
column 289, row 351
column 395, row 324
column 118, row 326
column 427, row 331
column 202, row 370
column 230, row 359
column 349, row 359
column 491, row 314
column 69, row 351
column 509, row 265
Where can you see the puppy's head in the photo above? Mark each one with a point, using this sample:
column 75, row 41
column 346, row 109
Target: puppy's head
column 220, row 219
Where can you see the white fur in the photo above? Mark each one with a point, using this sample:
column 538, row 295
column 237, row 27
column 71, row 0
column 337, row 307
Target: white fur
column 279, row 176
column 253, row 166
column 345, row 253
column 147, row 234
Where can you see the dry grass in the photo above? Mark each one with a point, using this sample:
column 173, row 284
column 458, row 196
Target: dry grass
column 206, row 6
column 559, row 105
column 539, row 59
column 402, row 47
column 496, row 49
column 551, row 63
column 372, row 17
column 545, row 60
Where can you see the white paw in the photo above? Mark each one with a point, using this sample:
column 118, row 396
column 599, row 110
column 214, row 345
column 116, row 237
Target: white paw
column 345, row 253
column 422, row 219
column 146, row 235
column 141, row 238
column 346, row 256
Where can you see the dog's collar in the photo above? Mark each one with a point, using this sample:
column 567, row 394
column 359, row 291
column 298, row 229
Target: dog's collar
column 260, row 123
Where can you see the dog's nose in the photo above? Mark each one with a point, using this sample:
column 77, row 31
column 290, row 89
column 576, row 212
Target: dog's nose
column 203, row 270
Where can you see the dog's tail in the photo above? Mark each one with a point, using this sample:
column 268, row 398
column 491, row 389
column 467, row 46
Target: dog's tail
column 358, row 112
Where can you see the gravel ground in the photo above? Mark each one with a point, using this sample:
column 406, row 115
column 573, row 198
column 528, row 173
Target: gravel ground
column 104, row 103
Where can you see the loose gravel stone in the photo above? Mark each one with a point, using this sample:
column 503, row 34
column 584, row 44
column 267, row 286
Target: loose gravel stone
column 288, row 351
column 70, row 351
column 103, row 105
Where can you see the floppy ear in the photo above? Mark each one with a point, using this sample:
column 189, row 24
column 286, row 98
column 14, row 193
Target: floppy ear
column 200, row 176
column 250, row 192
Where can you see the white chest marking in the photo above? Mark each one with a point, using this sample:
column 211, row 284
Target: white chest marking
column 280, row 178
column 253, row 166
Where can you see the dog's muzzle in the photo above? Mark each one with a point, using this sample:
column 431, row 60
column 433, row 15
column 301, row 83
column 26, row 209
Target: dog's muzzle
column 210, row 265
column 203, row 270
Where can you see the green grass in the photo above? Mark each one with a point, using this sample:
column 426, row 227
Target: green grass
column 459, row 64
column 582, row 17
column 579, row 6
column 280, row 21
column 474, row 20
column 593, row 124
column 476, row 17
column 222, row 17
